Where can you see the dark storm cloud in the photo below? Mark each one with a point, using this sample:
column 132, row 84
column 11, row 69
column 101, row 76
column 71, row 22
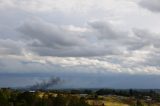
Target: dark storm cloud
column 152, row 5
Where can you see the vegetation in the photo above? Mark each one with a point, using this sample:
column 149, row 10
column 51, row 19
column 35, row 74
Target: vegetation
column 102, row 97
column 17, row 98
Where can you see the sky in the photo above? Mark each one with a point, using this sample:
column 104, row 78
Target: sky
column 87, row 43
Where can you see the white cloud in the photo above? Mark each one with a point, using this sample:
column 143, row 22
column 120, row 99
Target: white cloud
column 50, row 5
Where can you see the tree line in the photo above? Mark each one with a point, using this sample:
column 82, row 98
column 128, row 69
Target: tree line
column 17, row 98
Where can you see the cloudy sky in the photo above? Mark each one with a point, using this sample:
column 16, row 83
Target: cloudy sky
column 88, row 43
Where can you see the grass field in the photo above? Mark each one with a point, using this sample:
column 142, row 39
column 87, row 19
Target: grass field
column 116, row 101
column 107, row 101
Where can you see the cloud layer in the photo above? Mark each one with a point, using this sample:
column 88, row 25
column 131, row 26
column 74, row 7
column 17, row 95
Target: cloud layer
column 107, row 37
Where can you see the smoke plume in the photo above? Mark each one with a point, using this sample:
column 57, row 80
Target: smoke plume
column 46, row 84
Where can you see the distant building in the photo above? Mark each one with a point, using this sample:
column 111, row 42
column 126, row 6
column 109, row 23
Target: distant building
column 83, row 95
column 148, row 98
column 32, row 91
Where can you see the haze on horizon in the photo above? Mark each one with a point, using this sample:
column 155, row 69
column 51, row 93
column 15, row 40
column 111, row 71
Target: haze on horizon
column 87, row 43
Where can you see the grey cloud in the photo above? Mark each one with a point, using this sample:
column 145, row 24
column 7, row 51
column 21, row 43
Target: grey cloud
column 153, row 59
column 47, row 39
column 52, row 40
column 152, row 5
column 50, row 34
column 10, row 47
column 147, row 37
column 107, row 31
column 112, row 37
column 142, row 38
